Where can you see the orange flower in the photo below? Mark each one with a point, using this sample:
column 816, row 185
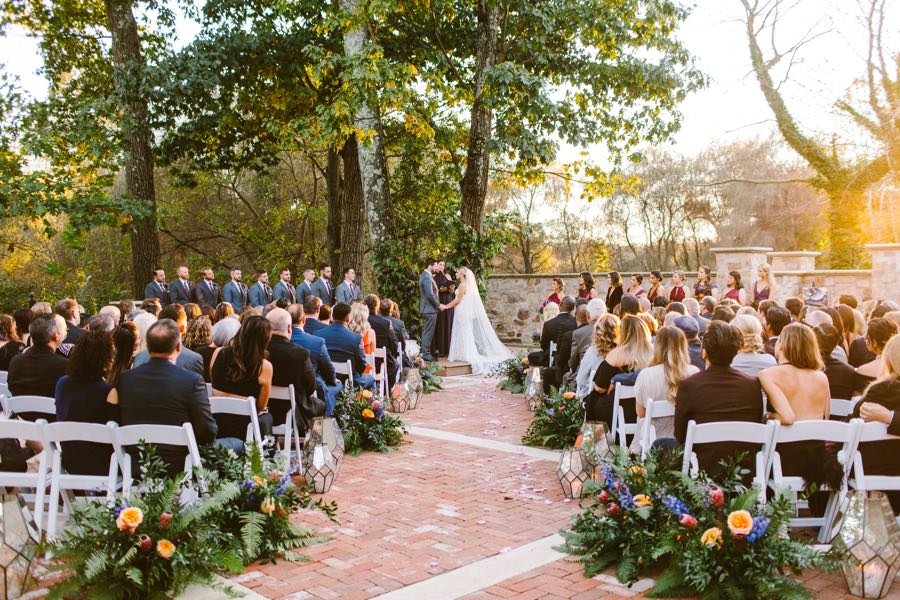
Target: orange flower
column 569, row 395
column 641, row 500
column 259, row 480
column 525, row 361
column 637, row 470
column 129, row 519
column 165, row 548
column 267, row 506
column 712, row 537
column 367, row 394
column 367, row 414
column 359, row 395
column 740, row 522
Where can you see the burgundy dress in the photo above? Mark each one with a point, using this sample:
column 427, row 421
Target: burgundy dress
column 444, row 328
column 759, row 296
column 677, row 294
column 734, row 294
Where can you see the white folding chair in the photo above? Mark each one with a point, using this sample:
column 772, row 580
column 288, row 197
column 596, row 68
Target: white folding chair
column 872, row 432
column 30, row 404
column 345, row 368
column 842, row 408
column 818, row 430
column 622, row 392
column 4, row 390
column 288, row 429
column 399, row 361
column 730, row 432
column 27, row 431
column 654, row 409
column 223, row 405
column 4, row 376
column 381, row 380
column 172, row 435
column 209, row 391
column 551, row 353
column 55, row 435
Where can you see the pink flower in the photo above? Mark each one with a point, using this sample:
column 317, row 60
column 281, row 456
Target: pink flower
column 688, row 521
column 717, row 497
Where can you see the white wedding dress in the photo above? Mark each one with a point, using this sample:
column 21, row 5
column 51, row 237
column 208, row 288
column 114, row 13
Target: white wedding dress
column 473, row 339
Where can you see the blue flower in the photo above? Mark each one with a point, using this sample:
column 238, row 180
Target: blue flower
column 760, row 524
column 625, row 497
column 551, row 411
column 677, row 507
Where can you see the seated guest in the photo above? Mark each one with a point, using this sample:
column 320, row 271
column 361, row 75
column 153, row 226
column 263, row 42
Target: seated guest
column 344, row 345
column 23, row 318
column 68, row 310
column 645, row 304
column 718, row 394
column 104, row 323
column 40, row 308
column 10, row 344
column 223, row 310
column 198, row 338
column 160, row 393
column 82, row 395
column 391, row 312
column 852, row 328
column 659, row 313
column 192, row 310
column 311, row 323
column 552, row 331
column 671, row 364
column 708, row 304
column 36, row 371
column 327, row 385
column 847, row 300
column 292, row 366
column 605, row 338
column 187, row 358
column 550, row 311
column 723, row 313
column 650, row 322
column 223, row 332
column 240, row 370
column 841, row 376
column 794, row 305
column 126, row 339
column 113, row 312
column 628, row 305
column 752, row 357
column 777, row 318
column 878, row 333
column 385, row 337
column 359, row 323
column 763, row 309
column 325, row 314
column 583, row 336
column 691, row 331
column 152, row 306
column 693, row 310
column 553, row 375
column 144, row 321
column 633, row 352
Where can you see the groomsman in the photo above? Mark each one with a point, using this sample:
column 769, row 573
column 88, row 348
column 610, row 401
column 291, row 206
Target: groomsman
column 158, row 288
column 284, row 289
column 261, row 294
column 306, row 288
column 348, row 291
column 180, row 290
column 235, row 291
column 206, row 292
column 322, row 287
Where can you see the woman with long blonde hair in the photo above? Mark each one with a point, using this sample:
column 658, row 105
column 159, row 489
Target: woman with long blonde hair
column 605, row 338
column 633, row 353
column 767, row 290
column 359, row 323
column 752, row 357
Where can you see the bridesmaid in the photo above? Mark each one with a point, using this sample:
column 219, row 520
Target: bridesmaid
column 614, row 291
column 764, row 287
column 657, row 289
column 679, row 290
column 736, row 289
column 585, row 285
column 637, row 288
column 444, row 327
column 557, row 289
column 705, row 285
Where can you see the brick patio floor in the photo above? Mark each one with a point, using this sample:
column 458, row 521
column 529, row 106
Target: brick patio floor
column 436, row 505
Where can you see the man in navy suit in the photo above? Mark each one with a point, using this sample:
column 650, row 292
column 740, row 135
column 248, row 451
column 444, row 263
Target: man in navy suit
column 260, row 293
column 283, row 289
column 322, row 287
column 159, row 393
column 206, row 292
column 326, row 383
column 235, row 292
column 180, row 290
column 311, row 323
column 344, row 345
column 158, row 288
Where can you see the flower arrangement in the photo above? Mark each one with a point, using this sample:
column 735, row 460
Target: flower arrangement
column 429, row 372
column 512, row 374
column 713, row 541
column 557, row 420
column 366, row 425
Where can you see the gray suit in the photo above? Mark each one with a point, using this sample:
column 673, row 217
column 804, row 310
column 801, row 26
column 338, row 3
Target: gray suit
column 429, row 305
column 188, row 359
column 343, row 294
column 304, row 290
column 235, row 294
column 324, row 291
column 581, row 341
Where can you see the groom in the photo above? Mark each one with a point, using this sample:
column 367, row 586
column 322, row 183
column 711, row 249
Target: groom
column 429, row 305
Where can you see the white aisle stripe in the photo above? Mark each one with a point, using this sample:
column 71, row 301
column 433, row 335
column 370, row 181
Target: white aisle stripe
column 459, row 438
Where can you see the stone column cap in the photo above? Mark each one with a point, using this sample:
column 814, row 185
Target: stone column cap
column 795, row 253
column 883, row 246
column 748, row 249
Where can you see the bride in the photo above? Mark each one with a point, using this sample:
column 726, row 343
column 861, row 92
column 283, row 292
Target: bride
column 473, row 339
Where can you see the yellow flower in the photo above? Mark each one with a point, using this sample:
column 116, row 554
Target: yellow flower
column 740, row 522
column 165, row 548
column 641, row 500
column 267, row 506
column 367, row 394
column 637, row 470
column 259, row 480
column 569, row 395
column 712, row 537
column 129, row 519
column 368, row 414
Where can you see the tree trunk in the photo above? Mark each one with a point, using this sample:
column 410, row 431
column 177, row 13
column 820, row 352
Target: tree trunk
column 351, row 252
column 473, row 186
column 127, row 65
column 845, row 228
column 334, row 193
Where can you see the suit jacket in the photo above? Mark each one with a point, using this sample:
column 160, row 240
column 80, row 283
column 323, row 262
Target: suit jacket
column 235, row 294
column 160, row 393
column 882, row 458
column 429, row 303
column 553, row 330
column 260, row 295
column 313, row 326
column 74, row 334
column 180, row 292
column 324, row 290
column 581, row 341
column 152, row 290
column 318, row 353
column 718, row 394
column 402, row 336
column 841, row 378
column 304, row 289
column 386, row 337
column 35, row 372
column 285, row 290
column 291, row 366
column 563, row 357
column 343, row 294
column 188, row 360
column 344, row 345
column 204, row 296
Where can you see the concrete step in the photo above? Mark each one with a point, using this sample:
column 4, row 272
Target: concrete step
column 449, row 368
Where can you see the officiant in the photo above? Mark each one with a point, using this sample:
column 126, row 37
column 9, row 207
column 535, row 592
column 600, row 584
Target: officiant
column 444, row 328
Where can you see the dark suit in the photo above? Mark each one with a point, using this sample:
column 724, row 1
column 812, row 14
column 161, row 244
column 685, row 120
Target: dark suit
column 883, row 458
column 344, row 345
column 552, row 332
column 324, row 290
column 304, row 290
column 386, row 338
column 718, row 394
column 187, row 359
column 260, row 295
column 180, row 292
column 695, row 352
column 73, row 335
column 841, row 378
column 235, row 293
column 553, row 376
column 291, row 365
column 402, row 336
column 326, row 383
column 159, row 393
column 155, row 289
column 313, row 326
column 35, row 372
column 206, row 293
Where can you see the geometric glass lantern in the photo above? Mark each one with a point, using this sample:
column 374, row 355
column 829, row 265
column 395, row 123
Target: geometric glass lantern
column 334, row 439
column 314, row 437
column 868, row 532
column 321, row 471
column 534, row 389
column 399, row 400
column 573, row 470
column 17, row 547
column 414, row 387
column 594, row 442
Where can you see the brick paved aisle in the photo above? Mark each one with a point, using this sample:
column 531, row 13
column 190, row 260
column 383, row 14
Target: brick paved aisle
column 460, row 511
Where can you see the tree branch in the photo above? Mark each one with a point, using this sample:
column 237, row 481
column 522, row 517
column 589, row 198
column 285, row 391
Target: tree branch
column 754, row 181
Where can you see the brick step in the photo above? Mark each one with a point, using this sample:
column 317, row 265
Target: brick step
column 449, row 368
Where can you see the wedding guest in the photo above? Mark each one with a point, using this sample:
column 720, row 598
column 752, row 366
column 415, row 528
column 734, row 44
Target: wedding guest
column 327, row 385
column 636, row 288
column 83, row 395
column 614, row 290
column 68, row 310
column 762, row 310
column 260, row 294
column 10, row 343
column 705, row 285
column 144, row 321
column 794, row 306
column 391, row 311
column 344, row 345
column 235, row 292
column 735, row 290
column 605, row 337
column 41, row 308
column 158, row 288
column 23, row 318
column 322, row 287
column 223, row 310
column 657, row 289
column 192, row 311
column 198, row 338
column 311, row 322
column 557, row 289
column 582, row 337
column 283, row 289
column 650, row 322
column 878, row 333
column 348, row 290
column 180, row 289
column 113, row 312
column 671, row 364
column 840, row 351
column 126, row 340
column 552, row 331
column 680, row 289
column 325, row 314
column 444, row 326
column 852, row 328
column 708, row 305
column 841, row 376
column 35, row 372
column 723, row 313
column 187, row 358
column 764, row 287
column 659, row 313
column 645, row 305
column 224, row 331
column 585, row 285
column 693, row 310
column 777, row 318
column 551, row 311
column 359, row 323
column 385, row 337
column 305, row 287
column 206, row 292
column 691, row 331
column 752, row 357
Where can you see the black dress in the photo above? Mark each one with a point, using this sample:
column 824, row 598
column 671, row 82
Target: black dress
column 599, row 407
column 613, row 297
column 206, row 352
column 7, row 351
column 234, row 425
column 85, row 402
column 444, row 328
column 882, row 458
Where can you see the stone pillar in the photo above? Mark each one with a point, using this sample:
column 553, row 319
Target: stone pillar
column 793, row 261
column 743, row 260
column 885, row 270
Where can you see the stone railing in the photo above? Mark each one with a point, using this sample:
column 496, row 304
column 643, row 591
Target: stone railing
column 514, row 299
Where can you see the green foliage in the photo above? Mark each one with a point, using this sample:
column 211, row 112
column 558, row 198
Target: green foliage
column 512, row 374
column 365, row 423
column 557, row 420
column 428, row 370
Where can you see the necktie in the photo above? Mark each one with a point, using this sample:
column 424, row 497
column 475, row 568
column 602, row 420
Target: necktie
column 187, row 290
column 160, row 286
